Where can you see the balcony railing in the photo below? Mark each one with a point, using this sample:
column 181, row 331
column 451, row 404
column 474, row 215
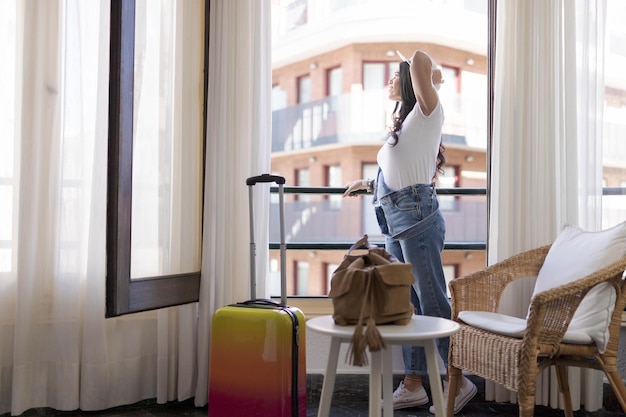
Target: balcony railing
column 342, row 238
column 320, row 229
column 342, row 241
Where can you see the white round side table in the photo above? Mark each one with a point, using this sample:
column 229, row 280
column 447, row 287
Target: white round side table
column 421, row 331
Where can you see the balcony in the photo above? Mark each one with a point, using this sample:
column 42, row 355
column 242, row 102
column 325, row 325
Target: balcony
column 361, row 117
column 320, row 230
column 336, row 224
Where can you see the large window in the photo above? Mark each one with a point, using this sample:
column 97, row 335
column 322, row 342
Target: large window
column 146, row 42
column 155, row 155
column 360, row 115
column 354, row 130
column 338, row 111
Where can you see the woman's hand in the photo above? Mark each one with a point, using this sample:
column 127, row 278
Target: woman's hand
column 354, row 186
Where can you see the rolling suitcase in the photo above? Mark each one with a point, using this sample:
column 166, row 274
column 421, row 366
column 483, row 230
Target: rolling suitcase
column 257, row 360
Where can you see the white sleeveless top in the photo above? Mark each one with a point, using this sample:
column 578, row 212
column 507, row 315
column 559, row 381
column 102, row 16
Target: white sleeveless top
column 413, row 160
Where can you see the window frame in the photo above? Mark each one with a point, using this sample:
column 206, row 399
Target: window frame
column 123, row 295
column 317, row 306
column 329, row 78
column 301, row 91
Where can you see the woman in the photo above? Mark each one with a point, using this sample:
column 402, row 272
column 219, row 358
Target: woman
column 407, row 210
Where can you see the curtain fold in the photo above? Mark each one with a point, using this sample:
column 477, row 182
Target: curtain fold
column 56, row 348
column 546, row 150
column 238, row 146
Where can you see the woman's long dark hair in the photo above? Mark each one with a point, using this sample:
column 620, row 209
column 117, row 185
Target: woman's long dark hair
column 404, row 107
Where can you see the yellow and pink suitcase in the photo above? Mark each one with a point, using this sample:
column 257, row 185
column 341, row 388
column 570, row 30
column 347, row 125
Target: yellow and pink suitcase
column 257, row 364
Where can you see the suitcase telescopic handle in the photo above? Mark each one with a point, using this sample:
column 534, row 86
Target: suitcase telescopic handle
column 265, row 178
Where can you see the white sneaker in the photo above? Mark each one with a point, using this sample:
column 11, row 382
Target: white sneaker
column 466, row 393
column 403, row 398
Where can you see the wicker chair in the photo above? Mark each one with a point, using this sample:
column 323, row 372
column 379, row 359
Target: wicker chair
column 515, row 362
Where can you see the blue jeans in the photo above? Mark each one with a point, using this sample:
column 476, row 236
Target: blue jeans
column 414, row 231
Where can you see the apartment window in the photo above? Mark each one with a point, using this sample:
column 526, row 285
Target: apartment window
column 369, row 170
column 303, row 179
column 453, row 88
column 303, row 130
column 335, row 82
column 302, row 278
column 376, row 111
column 370, row 224
column 377, row 74
column 329, row 269
column 452, row 77
column 297, row 11
column 274, row 274
column 449, row 179
column 304, row 89
column 279, row 98
column 333, row 179
column 450, row 272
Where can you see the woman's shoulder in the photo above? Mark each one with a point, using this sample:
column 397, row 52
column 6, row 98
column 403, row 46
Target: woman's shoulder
column 436, row 114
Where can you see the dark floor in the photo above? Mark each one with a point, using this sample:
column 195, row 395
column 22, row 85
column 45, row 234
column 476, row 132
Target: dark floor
column 350, row 399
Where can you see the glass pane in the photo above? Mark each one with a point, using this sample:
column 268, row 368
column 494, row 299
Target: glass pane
column 335, row 81
column 349, row 136
column 374, row 76
column 334, row 180
column 304, row 89
column 303, row 278
column 167, row 147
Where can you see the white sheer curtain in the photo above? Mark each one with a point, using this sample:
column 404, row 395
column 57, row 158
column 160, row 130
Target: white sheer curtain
column 238, row 146
column 56, row 348
column 547, row 140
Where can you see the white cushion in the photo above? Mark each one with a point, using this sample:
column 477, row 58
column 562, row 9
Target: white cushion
column 575, row 254
column 512, row 326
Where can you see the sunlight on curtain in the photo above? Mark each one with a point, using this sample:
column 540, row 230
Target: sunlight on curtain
column 547, row 139
column 8, row 182
column 7, row 132
column 56, row 348
column 167, row 143
column 167, row 173
column 238, row 146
